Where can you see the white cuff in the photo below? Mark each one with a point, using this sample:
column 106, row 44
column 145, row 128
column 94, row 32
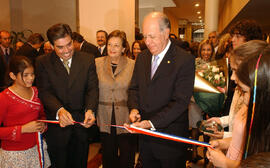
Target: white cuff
column 152, row 126
column 57, row 117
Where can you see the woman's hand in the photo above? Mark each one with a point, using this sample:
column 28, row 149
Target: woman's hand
column 216, row 119
column 216, row 134
column 34, row 126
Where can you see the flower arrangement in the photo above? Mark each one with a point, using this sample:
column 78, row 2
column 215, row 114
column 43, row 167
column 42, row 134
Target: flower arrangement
column 211, row 73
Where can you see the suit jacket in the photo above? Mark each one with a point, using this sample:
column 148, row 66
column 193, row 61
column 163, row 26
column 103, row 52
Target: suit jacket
column 113, row 89
column 164, row 99
column 28, row 51
column 76, row 92
column 90, row 48
column 3, row 67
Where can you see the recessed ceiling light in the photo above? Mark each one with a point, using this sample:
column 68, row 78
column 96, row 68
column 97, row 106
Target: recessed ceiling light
column 199, row 17
column 199, row 12
column 197, row 5
column 201, row 21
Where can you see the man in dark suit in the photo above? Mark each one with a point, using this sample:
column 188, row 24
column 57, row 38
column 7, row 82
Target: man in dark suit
column 31, row 47
column 159, row 94
column 80, row 44
column 6, row 53
column 101, row 36
column 68, row 86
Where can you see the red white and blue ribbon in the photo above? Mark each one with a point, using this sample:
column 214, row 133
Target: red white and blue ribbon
column 132, row 128
column 163, row 135
column 40, row 149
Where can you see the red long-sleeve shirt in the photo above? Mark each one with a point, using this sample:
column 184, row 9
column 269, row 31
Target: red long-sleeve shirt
column 16, row 111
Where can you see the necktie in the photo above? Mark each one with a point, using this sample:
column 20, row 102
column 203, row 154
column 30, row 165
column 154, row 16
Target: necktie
column 154, row 65
column 99, row 49
column 66, row 62
column 6, row 55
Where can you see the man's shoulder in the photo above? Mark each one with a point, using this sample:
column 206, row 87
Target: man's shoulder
column 181, row 54
column 84, row 57
column 88, row 44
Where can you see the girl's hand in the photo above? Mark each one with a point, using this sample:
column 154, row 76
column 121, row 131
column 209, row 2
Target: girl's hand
column 217, row 157
column 33, row 126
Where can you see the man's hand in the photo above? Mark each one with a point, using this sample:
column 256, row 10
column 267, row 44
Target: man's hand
column 134, row 116
column 65, row 118
column 143, row 124
column 89, row 119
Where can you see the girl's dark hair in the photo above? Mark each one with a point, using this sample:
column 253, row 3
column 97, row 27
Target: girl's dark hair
column 17, row 65
column 260, row 132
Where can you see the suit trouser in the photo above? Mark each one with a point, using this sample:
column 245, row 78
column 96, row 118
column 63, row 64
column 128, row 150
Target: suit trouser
column 73, row 154
column 126, row 143
column 152, row 159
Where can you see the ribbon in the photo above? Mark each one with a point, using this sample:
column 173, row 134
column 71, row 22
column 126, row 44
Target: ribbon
column 253, row 105
column 57, row 122
column 163, row 135
column 40, row 149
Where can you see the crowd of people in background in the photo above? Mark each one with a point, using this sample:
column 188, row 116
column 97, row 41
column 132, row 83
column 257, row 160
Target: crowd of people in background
column 148, row 84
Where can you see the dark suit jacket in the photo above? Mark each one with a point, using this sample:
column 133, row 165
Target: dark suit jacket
column 164, row 99
column 3, row 67
column 76, row 92
column 90, row 48
column 28, row 51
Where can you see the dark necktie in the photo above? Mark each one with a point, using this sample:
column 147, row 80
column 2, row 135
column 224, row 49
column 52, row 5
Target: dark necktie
column 6, row 55
column 99, row 49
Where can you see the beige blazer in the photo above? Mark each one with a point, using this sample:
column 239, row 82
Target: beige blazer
column 113, row 89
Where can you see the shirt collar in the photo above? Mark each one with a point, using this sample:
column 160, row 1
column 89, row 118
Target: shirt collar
column 162, row 54
column 69, row 61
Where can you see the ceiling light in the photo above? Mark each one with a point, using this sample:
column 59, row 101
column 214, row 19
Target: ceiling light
column 199, row 17
column 201, row 21
column 197, row 5
column 199, row 12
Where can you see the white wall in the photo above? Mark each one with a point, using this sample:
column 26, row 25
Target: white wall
column 39, row 15
column 107, row 15
column 5, row 15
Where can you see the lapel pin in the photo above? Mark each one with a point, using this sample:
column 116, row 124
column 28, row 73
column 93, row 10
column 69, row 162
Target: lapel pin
column 168, row 62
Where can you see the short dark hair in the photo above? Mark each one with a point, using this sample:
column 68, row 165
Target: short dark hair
column 77, row 37
column 58, row 31
column 247, row 28
column 35, row 38
column 106, row 34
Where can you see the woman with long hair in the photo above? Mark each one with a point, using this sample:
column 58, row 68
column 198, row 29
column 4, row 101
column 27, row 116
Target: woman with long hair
column 255, row 52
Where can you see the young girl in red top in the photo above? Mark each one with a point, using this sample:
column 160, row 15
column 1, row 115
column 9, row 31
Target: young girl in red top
column 20, row 107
